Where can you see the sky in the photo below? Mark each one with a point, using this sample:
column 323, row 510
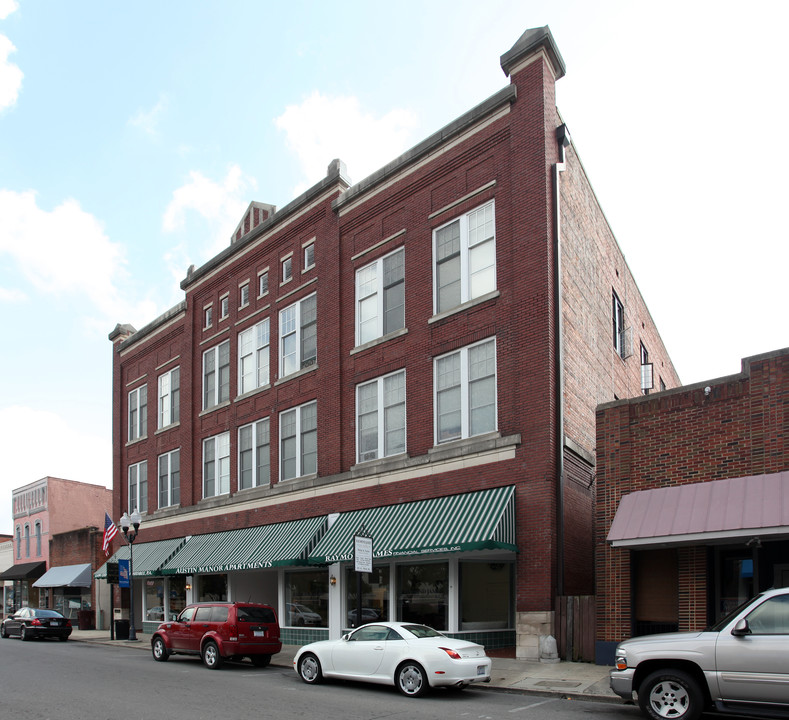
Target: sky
column 134, row 135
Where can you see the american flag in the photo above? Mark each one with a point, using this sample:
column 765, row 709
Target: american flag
column 110, row 531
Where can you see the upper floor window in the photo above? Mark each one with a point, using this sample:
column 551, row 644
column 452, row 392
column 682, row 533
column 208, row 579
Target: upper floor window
column 224, row 307
column 254, row 455
column 380, row 297
column 287, row 269
column 647, row 381
column 169, row 398
column 298, row 334
column 618, row 317
column 253, row 357
column 243, row 292
column 138, row 486
column 170, row 478
column 309, row 256
column 465, row 392
column 38, row 538
column 380, row 417
column 216, row 465
column 263, row 283
column 209, row 317
column 18, row 542
column 27, row 540
column 465, row 258
column 298, row 433
column 216, row 375
column 138, row 413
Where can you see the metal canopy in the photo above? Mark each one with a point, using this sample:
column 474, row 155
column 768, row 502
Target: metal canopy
column 65, row 576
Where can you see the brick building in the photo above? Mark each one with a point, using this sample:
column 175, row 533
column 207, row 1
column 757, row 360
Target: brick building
column 692, row 501
column 417, row 356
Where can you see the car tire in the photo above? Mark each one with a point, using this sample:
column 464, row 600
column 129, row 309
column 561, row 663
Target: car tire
column 159, row 650
column 411, row 679
column 23, row 634
column 671, row 695
column 211, row 657
column 260, row 661
column 310, row 669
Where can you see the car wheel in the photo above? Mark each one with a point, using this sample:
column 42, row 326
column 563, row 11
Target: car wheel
column 670, row 695
column 410, row 679
column 260, row 660
column 23, row 634
column 159, row 650
column 211, row 657
column 310, row 669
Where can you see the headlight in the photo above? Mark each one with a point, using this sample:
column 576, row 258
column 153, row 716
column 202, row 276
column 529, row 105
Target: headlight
column 620, row 660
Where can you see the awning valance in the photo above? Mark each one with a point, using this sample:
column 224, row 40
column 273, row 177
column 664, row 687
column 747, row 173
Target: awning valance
column 24, row 571
column 252, row 548
column 703, row 513
column 148, row 557
column 66, row 576
column 483, row 520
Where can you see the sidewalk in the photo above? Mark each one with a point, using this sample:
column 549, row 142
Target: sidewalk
column 566, row 679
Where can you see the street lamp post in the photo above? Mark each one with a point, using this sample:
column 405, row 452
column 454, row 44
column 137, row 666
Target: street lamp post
column 131, row 535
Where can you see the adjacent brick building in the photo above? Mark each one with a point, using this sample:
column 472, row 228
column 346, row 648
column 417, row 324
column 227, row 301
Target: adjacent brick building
column 418, row 357
column 692, row 501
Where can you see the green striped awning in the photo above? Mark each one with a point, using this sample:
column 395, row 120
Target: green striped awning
column 483, row 520
column 265, row 546
column 148, row 557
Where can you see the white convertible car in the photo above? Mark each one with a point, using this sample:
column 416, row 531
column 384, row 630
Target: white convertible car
column 411, row 657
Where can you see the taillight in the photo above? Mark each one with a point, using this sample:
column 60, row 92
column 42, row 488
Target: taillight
column 451, row 653
column 68, row 623
column 36, row 621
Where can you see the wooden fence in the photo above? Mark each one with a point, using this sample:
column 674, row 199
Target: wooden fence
column 575, row 627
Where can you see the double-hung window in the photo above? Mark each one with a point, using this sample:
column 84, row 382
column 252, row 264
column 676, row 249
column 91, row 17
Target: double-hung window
column 224, row 307
column 380, row 297
column 618, row 317
column 216, row 375
column 380, row 417
column 254, row 455
column 138, row 486
column 216, row 465
column 169, row 398
column 298, row 433
column 465, row 258
column 253, row 357
column 298, row 334
column 465, row 392
column 138, row 413
column 170, row 478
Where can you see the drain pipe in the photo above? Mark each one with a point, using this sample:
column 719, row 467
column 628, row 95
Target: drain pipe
column 563, row 138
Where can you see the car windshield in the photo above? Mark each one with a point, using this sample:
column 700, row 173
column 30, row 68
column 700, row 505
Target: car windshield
column 422, row 631
column 722, row 623
column 256, row 614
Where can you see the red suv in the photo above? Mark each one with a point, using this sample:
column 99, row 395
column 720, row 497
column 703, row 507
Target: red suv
column 218, row 631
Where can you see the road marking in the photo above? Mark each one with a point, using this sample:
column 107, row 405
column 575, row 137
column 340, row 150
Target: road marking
column 533, row 705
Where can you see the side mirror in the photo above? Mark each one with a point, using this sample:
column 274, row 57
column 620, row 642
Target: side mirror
column 346, row 637
column 741, row 628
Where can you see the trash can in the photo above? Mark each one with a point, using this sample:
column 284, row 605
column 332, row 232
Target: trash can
column 85, row 619
column 121, row 629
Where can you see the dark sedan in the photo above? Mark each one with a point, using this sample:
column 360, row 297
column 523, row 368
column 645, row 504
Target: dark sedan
column 31, row 623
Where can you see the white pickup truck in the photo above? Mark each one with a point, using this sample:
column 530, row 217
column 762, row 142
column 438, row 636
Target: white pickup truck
column 740, row 665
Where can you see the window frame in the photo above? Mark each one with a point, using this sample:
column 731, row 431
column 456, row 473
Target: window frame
column 465, row 251
column 260, row 356
column 298, row 332
column 220, row 479
column 171, row 398
column 464, row 386
column 173, row 483
column 381, row 407
column 263, row 283
column 137, row 500
column 224, row 306
column 255, row 428
column 137, row 413
column 618, row 318
column 218, row 379
column 208, row 317
column 300, row 433
column 243, row 295
column 379, row 293
column 286, row 269
column 308, row 256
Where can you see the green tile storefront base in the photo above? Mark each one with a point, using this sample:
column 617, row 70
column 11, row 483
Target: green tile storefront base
column 491, row 639
column 302, row 636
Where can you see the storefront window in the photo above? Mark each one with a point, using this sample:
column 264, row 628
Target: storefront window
column 375, row 595
column 212, row 588
column 485, row 595
column 422, row 594
column 177, row 595
column 154, row 599
column 69, row 601
column 307, row 598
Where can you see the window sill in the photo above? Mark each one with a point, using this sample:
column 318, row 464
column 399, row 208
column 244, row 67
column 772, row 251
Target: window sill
column 250, row 393
column 465, row 446
column 136, row 440
column 378, row 341
column 465, row 306
column 297, row 374
column 167, row 428
column 214, row 408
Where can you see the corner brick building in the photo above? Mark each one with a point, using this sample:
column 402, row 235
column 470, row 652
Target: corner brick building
column 417, row 357
column 692, row 502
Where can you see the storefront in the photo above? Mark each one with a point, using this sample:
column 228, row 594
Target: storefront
column 67, row 589
column 18, row 581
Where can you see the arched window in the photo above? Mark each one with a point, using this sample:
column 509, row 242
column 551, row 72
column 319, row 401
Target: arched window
column 38, row 538
column 18, row 542
column 27, row 540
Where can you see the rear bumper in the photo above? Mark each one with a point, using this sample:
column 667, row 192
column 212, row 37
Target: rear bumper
column 251, row 648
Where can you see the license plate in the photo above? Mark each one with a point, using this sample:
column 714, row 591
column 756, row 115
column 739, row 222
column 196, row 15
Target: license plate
column 480, row 669
column 260, row 633
column 55, row 623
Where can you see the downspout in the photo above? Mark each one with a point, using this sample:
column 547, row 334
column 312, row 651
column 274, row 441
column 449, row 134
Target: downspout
column 563, row 137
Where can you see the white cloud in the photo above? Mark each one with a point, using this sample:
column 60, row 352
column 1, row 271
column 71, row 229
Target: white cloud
column 39, row 443
column 10, row 75
column 221, row 204
column 12, row 295
column 148, row 120
column 7, row 7
column 323, row 128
